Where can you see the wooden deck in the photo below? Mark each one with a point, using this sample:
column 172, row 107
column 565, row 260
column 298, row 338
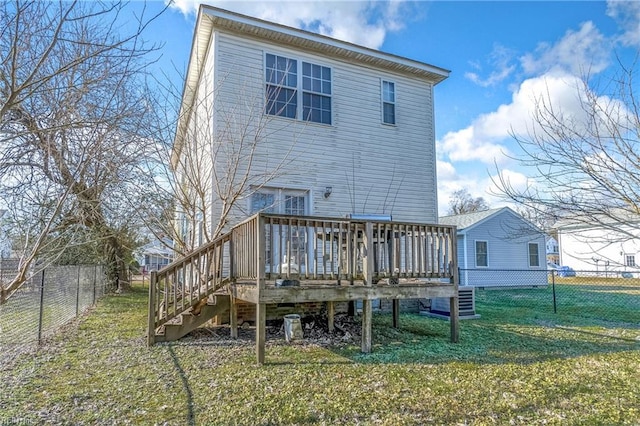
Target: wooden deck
column 292, row 259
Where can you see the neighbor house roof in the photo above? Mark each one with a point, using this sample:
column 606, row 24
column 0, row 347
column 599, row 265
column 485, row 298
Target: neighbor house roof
column 211, row 17
column 469, row 220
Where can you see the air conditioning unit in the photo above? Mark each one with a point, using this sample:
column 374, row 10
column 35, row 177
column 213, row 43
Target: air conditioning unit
column 466, row 304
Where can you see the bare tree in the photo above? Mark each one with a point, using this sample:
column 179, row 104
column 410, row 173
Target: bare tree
column 72, row 120
column 584, row 165
column 206, row 176
column 462, row 202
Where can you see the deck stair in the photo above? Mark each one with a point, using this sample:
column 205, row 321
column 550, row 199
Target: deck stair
column 189, row 291
column 186, row 322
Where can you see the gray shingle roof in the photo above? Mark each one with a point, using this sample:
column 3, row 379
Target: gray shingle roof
column 462, row 221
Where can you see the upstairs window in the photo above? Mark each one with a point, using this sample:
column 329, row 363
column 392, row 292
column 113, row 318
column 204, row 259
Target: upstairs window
column 281, row 75
column 388, row 102
column 316, row 93
column 482, row 255
column 296, row 89
column 534, row 256
column 630, row 260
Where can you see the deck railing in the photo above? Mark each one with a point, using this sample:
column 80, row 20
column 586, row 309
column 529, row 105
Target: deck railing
column 334, row 249
column 305, row 248
column 185, row 282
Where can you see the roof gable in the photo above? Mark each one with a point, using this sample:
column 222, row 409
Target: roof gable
column 468, row 221
column 211, row 18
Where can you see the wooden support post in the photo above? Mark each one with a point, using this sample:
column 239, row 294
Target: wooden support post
column 261, row 325
column 454, row 307
column 233, row 317
column 366, row 326
column 331, row 311
column 396, row 312
column 453, row 318
column 261, row 308
column 151, row 332
column 368, row 269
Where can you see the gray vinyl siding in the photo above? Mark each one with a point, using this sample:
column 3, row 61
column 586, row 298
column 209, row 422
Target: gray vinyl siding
column 372, row 167
column 508, row 237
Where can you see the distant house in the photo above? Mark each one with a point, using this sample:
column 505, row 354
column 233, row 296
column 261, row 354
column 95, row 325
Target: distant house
column 5, row 244
column 599, row 248
column 553, row 250
column 155, row 255
column 498, row 247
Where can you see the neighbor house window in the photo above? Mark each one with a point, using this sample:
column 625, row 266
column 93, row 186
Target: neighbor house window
column 482, row 257
column 388, row 102
column 534, row 256
column 630, row 260
column 287, row 95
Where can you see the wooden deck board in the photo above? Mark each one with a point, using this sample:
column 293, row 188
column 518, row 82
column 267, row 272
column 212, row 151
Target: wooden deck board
column 330, row 292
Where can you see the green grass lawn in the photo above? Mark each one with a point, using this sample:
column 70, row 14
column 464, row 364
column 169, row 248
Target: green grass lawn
column 515, row 365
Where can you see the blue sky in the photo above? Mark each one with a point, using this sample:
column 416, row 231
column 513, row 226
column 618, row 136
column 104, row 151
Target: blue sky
column 502, row 54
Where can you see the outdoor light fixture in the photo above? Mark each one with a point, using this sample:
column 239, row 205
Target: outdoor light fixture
column 327, row 191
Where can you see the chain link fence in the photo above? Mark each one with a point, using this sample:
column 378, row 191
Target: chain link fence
column 47, row 301
column 600, row 296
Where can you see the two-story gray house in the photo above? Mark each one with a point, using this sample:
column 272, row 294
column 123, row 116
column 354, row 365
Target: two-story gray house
column 305, row 124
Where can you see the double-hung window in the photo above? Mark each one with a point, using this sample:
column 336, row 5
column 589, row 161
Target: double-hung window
column 482, row 255
column 297, row 89
column 316, row 93
column 281, row 75
column 388, row 102
column 534, row 256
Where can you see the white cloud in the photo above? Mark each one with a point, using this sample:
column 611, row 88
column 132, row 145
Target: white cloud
column 470, row 144
column 359, row 22
column 627, row 13
column 578, row 52
column 501, row 60
column 488, row 138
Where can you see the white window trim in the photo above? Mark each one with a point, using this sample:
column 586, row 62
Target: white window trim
column 394, row 103
column 475, row 253
column 279, row 198
column 299, row 90
column 529, row 244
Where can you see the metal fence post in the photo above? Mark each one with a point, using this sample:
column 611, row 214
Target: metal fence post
column 553, row 286
column 78, row 292
column 95, row 279
column 41, row 313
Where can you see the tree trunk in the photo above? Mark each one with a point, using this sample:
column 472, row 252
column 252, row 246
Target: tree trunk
column 116, row 268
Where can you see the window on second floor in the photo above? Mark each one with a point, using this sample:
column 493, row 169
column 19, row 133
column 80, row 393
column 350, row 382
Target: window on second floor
column 388, row 102
column 630, row 260
column 297, row 89
column 281, row 76
column 534, row 255
column 482, row 255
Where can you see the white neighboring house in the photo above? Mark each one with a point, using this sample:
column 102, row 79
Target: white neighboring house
column 600, row 249
column 5, row 244
column 355, row 126
column 553, row 250
column 155, row 255
column 498, row 247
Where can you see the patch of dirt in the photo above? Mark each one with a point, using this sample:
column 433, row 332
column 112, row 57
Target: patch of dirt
column 347, row 331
